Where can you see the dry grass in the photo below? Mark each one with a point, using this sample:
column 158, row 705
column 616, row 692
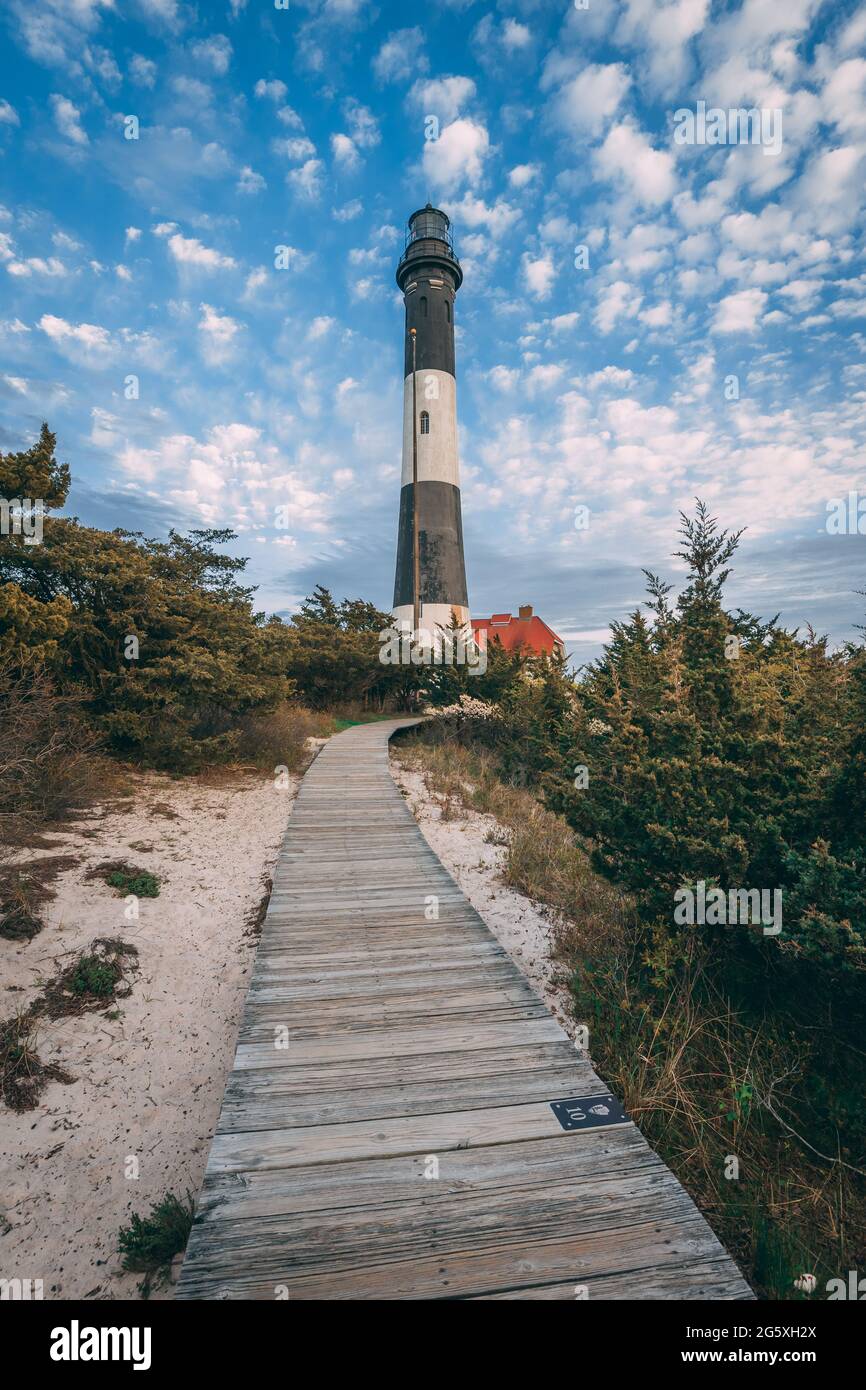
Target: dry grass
column 50, row 762
column 24, row 890
column 23, row 1075
column 279, row 738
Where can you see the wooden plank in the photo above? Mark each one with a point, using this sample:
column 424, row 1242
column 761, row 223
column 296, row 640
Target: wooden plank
column 245, row 1109
column 415, row 1046
column 394, row 1182
column 385, row 1136
column 399, row 1043
column 258, row 1271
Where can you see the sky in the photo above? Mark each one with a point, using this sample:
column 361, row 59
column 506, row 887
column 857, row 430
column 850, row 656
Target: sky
column 202, row 210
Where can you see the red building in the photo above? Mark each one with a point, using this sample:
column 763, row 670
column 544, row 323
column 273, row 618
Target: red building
column 526, row 630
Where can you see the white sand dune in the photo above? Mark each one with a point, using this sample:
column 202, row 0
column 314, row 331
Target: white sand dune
column 150, row 1082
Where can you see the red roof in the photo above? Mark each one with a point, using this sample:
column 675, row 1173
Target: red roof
column 526, row 630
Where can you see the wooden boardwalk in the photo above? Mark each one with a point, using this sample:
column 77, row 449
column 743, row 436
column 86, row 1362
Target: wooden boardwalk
column 403, row 1144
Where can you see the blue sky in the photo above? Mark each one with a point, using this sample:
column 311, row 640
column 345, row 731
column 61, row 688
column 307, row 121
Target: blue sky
column 269, row 399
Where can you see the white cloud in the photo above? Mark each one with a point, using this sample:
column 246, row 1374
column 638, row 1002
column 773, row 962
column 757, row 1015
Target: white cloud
column 255, row 280
column 307, row 181
column 289, row 117
column 844, row 96
column 611, row 376
column 344, row 151
column 503, row 378
column 55, row 32
column 662, row 30
column 249, row 181
column 522, row 174
column 295, row 147
column 89, row 336
column 363, row 126
column 853, row 36
column 538, row 274
column 218, row 333
column 802, row 294
column 214, row 52
column 543, row 377
column 142, row 71
column 191, row 90
column 515, row 36
column 401, row 55
column 830, row 187
column 273, row 90
column 190, row 251
column 616, row 301
column 564, row 323
column 67, row 118
column 164, row 10
column 659, row 316
column 444, row 97
column 366, row 288
column 628, row 158
column 320, row 327
column 132, row 234
column 740, row 312
column 36, row 265
column 470, row 211
column 348, row 211
column 8, row 114
column 586, row 103
column 496, row 43
column 557, row 229
column 457, row 156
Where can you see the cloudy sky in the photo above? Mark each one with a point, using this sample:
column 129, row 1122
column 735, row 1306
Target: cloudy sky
column 207, row 314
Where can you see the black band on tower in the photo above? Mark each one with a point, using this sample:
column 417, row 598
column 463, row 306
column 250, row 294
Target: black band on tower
column 429, row 275
column 440, row 523
column 430, row 311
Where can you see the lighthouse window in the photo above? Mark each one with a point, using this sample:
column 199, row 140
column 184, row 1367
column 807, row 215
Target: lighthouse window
column 448, row 311
column 422, row 305
column 425, row 422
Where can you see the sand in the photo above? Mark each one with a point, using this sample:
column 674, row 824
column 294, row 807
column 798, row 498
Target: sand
column 476, row 866
column 149, row 1083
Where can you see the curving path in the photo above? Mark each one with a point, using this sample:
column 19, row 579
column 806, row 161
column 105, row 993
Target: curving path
column 388, row 1128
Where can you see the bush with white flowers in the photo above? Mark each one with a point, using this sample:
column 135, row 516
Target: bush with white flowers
column 467, row 708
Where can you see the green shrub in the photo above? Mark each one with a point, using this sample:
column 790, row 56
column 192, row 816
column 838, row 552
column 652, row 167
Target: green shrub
column 134, row 881
column 149, row 1244
column 93, row 975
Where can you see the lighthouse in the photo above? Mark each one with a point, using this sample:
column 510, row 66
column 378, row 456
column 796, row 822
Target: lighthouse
column 430, row 566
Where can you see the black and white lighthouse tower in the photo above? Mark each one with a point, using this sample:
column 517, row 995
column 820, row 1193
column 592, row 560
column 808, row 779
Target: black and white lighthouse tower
column 430, row 585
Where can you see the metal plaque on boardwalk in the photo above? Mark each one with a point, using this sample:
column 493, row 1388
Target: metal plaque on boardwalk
column 588, row 1112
